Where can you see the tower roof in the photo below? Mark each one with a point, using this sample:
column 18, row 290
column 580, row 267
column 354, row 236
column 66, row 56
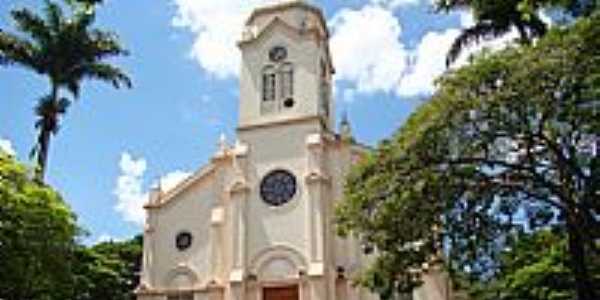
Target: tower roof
column 273, row 8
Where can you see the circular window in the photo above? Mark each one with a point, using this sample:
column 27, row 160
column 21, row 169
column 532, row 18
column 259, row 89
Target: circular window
column 277, row 53
column 278, row 187
column 183, row 240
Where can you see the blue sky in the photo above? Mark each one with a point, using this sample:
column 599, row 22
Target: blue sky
column 114, row 144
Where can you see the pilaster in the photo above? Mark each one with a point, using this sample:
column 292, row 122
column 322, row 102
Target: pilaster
column 317, row 185
column 239, row 193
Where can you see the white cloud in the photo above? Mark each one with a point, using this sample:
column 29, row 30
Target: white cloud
column 129, row 190
column 217, row 26
column 373, row 60
column 369, row 60
column 393, row 4
column 7, row 147
column 429, row 62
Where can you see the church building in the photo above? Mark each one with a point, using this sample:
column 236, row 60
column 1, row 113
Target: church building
column 256, row 223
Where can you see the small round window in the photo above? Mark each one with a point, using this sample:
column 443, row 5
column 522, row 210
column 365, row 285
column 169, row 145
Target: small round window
column 183, row 240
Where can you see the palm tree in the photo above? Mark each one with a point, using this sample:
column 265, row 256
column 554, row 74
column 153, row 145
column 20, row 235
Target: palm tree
column 494, row 18
column 66, row 51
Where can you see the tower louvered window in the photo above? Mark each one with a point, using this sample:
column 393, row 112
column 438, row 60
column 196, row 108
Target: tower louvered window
column 269, row 84
column 287, row 81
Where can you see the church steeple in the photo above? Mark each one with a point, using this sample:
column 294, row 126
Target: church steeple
column 286, row 71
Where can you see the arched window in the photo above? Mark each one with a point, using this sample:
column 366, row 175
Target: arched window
column 287, row 81
column 277, row 87
column 268, row 84
column 324, row 89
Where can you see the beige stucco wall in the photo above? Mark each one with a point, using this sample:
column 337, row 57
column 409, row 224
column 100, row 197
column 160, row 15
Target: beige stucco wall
column 241, row 244
column 191, row 211
column 306, row 50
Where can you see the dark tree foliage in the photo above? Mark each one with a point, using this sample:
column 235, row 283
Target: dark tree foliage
column 508, row 144
column 534, row 267
column 495, row 18
column 109, row 270
column 39, row 256
column 66, row 50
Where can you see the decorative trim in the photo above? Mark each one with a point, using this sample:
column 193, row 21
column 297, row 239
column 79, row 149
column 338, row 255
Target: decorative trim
column 283, row 6
column 182, row 186
column 239, row 187
column 282, row 122
column 316, row 269
column 166, row 291
column 181, row 269
column 314, row 140
column 315, row 177
column 236, row 276
column 263, row 257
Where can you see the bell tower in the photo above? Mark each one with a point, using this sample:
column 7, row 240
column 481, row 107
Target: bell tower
column 286, row 69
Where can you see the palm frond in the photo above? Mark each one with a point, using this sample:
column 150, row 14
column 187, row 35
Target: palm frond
column 474, row 34
column 107, row 73
column 448, row 5
column 31, row 24
column 104, row 44
column 16, row 50
column 54, row 15
column 83, row 18
column 73, row 86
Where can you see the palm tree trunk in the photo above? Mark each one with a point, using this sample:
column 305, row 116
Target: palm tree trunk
column 44, row 137
column 42, row 157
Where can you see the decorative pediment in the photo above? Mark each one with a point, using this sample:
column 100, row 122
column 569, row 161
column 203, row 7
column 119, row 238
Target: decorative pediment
column 201, row 175
column 278, row 23
column 181, row 277
column 277, row 262
column 284, row 6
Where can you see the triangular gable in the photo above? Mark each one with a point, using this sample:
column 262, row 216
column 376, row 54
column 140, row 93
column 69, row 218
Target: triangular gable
column 284, row 6
column 295, row 33
column 276, row 22
column 183, row 186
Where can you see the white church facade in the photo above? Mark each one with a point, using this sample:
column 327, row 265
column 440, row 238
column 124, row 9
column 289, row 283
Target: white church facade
column 256, row 223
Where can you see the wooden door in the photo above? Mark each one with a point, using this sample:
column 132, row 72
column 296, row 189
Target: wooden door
column 281, row 293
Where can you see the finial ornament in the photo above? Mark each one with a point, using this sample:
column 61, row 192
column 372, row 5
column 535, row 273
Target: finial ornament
column 345, row 129
column 223, row 142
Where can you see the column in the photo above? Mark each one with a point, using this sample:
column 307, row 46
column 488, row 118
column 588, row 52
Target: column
column 316, row 184
column 238, row 199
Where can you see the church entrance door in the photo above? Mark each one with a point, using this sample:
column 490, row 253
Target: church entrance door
column 281, row 293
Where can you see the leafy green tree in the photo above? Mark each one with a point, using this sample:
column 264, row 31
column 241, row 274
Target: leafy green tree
column 534, row 267
column 67, row 51
column 129, row 255
column 509, row 144
column 37, row 236
column 109, row 270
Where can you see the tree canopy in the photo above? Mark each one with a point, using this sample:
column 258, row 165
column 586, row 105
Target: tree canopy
column 508, row 144
column 37, row 236
column 40, row 257
column 109, row 270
